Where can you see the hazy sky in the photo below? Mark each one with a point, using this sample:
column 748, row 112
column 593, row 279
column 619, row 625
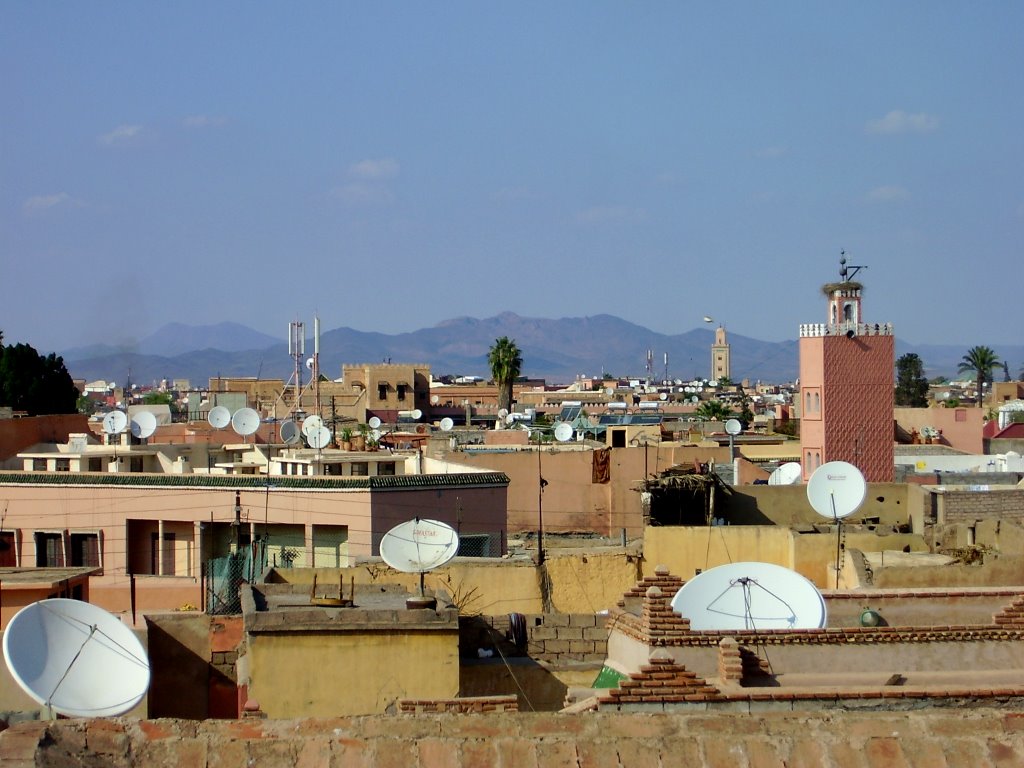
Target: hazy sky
column 393, row 165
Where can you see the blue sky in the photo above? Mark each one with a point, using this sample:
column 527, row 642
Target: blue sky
column 393, row 165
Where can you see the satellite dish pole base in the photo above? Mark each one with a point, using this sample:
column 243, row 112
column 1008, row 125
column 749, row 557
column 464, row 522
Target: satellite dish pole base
column 421, row 601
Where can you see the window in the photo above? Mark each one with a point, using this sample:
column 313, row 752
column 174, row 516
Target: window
column 360, row 468
column 382, row 391
column 95, row 465
column 62, row 465
column 401, row 391
column 386, row 468
column 135, row 464
column 164, row 553
column 49, row 550
column 8, row 549
column 85, row 550
column 475, row 545
column 38, row 465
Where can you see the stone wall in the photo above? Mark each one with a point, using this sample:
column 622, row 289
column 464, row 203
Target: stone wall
column 979, row 738
column 968, row 506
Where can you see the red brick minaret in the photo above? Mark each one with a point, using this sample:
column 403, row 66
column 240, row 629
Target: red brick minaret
column 846, row 386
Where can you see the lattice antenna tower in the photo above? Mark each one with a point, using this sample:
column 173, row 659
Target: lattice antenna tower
column 297, row 351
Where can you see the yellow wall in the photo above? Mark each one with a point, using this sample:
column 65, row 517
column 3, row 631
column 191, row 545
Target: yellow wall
column 319, row 674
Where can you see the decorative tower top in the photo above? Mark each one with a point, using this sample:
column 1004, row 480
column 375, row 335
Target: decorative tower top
column 844, row 307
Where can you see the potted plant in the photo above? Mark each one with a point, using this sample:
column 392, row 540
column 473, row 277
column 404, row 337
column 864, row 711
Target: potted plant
column 346, row 439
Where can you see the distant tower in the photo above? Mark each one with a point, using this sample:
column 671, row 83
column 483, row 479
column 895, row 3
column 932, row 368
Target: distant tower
column 846, row 385
column 720, row 356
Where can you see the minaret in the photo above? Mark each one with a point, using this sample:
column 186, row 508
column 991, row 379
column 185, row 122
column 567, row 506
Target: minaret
column 720, row 355
column 846, row 385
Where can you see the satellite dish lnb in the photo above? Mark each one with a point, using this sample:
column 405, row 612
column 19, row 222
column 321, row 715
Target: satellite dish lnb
column 143, row 424
column 836, row 490
column 76, row 659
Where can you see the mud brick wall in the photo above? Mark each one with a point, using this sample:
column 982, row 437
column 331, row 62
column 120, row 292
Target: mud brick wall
column 552, row 637
column 969, row 506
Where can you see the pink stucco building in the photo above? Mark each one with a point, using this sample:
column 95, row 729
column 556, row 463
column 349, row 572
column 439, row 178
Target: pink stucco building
column 846, row 387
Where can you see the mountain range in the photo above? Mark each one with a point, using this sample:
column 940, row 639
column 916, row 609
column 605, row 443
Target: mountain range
column 557, row 350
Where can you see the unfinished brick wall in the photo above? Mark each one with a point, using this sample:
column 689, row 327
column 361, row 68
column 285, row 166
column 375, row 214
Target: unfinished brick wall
column 969, row 506
column 551, row 637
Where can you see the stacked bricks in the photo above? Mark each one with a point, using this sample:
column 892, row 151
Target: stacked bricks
column 730, row 662
column 463, row 706
column 660, row 681
column 1012, row 615
column 661, row 579
column 565, row 637
column 657, row 619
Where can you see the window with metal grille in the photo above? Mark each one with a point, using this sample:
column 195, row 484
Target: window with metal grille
column 475, row 545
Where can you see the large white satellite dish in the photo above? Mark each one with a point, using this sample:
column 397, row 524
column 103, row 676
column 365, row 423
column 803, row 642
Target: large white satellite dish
column 786, row 474
column 447, row 424
column 115, row 422
column 143, row 424
column 311, row 424
column 419, row 545
column 563, row 431
column 836, row 490
column 76, row 659
column 245, row 421
column 289, row 432
column 319, row 438
column 219, row 417
column 750, row 596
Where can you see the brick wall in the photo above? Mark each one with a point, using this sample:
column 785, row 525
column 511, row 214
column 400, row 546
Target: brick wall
column 551, row 637
column 969, row 506
column 980, row 738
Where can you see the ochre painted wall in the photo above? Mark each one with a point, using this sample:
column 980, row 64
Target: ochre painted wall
column 320, row 674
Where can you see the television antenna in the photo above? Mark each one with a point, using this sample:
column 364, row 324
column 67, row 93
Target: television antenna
column 836, row 490
column 76, row 659
column 750, row 595
column 419, row 546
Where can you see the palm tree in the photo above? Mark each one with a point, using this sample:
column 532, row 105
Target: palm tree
column 712, row 410
column 505, row 360
column 980, row 361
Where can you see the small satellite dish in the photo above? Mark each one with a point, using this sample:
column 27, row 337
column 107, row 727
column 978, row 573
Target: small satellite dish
column 311, row 424
column 563, row 432
column 713, row 383
column 309, row 363
column 143, row 424
column 245, row 421
column 115, row 422
column 417, row 414
column 787, row 474
column 750, row 596
column 503, row 413
column 76, row 659
column 434, row 399
column 836, row 490
column 373, row 422
column 610, row 391
column 733, row 427
column 319, row 437
column 418, row 545
column 694, row 399
column 219, row 417
column 447, row 424
column 708, row 319
column 289, row 432
column 663, row 396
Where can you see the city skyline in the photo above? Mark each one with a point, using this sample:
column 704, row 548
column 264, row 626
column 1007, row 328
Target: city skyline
column 392, row 167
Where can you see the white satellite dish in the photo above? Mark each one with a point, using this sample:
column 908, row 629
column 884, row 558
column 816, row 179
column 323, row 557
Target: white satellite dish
column 610, row 391
column 219, row 417
column 502, row 413
column 417, row 414
column 694, row 399
column 434, row 399
column 115, row 422
column 447, row 424
column 563, row 432
column 787, row 474
column 750, row 596
column 311, row 424
column 309, row 363
column 245, row 421
column 733, row 427
column 510, row 418
column 663, row 396
column 373, row 422
column 418, row 546
column 76, row 659
column 319, row 438
column 289, row 432
column 713, row 383
column 143, row 424
column 836, row 490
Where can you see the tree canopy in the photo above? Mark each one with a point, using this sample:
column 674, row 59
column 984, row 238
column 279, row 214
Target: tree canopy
column 911, row 384
column 33, row 383
column 506, row 362
column 980, row 361
column 713, row 410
